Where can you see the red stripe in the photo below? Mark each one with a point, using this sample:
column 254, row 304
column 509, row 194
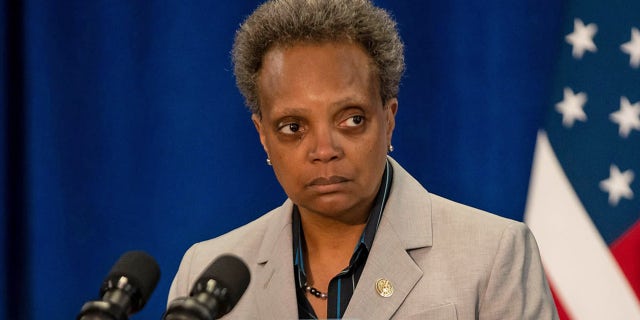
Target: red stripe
column 561, row 312
column 626, row 250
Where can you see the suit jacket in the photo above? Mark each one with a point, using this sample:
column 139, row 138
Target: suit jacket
column 444, row 260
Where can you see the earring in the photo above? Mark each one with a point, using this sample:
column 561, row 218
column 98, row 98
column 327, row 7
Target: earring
column 268, row 162
column 390, row 148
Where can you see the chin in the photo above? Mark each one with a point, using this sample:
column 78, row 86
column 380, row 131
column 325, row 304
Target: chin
column 337, row 208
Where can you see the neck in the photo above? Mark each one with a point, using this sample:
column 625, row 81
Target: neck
column 328, row 235
column 329, row 245
column 323, row 232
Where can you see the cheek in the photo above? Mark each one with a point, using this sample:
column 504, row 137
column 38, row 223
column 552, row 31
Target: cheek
column 370, row 149
column 285, row 178
column 378, row 141
column 370, row 155
column 287, row 167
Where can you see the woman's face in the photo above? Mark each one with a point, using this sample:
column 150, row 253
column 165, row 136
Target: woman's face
column 324, row 127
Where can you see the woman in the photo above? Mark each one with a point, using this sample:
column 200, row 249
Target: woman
column 358, row 236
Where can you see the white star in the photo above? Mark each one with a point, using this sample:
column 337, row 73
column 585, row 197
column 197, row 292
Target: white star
column 617, row 185
column 582, row 38
column 632, row 48
column 628, row 117
column 571, row 107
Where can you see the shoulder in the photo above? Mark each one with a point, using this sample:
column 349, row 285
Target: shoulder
column 448, row 226
column 455, row 215
column 244, row 242
column 241, row 241
column 467, row 256
column 410, row 201
column 482, row 233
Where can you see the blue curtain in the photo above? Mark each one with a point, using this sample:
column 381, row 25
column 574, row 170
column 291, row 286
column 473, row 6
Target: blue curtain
column 122, row 129
column 4, row 237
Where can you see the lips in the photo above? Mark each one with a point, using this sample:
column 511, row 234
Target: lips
column 326, row 181
column 327, row 184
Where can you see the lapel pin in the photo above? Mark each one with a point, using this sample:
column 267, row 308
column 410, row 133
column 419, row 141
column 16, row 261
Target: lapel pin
column 384, row 288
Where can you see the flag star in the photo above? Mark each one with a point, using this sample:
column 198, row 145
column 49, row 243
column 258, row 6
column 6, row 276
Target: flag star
column 571, row 107
column 628, row 117
column 582, row 38
column 617, row 185
column 632, row 48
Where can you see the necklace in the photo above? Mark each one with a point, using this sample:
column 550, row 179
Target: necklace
column 315, row 292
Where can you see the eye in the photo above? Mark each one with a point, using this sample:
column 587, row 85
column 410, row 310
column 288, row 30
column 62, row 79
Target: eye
column 354, row 121
column 289, row 128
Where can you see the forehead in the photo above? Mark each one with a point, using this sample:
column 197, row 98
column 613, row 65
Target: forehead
column 316, row 70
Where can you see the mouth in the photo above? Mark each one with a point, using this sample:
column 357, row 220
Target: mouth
column 327, row 184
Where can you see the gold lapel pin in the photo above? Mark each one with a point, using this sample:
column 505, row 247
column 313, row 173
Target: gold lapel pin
column 384, row 288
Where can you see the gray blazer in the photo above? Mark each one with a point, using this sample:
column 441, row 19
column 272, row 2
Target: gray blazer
column 443, row 259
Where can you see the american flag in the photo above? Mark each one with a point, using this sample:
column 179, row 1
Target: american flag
column 584, row 196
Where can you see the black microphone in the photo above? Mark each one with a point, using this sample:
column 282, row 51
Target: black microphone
column 126, row 288
column 215, row 293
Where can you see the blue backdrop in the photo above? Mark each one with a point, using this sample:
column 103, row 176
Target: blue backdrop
column 122, row 129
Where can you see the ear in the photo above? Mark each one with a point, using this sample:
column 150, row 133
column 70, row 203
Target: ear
column 391, row 108
column 257, row 122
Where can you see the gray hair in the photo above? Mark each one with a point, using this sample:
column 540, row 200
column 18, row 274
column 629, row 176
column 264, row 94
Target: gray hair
column 287, row 22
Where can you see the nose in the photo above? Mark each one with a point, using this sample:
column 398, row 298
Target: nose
column 325, row 145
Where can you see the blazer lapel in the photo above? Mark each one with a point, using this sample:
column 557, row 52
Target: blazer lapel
column 275, row 294
column 389, row 262
column 405, row 225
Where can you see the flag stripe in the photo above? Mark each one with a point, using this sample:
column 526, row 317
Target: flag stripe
column 626, row 252
column 586, row 276
column 562, row 313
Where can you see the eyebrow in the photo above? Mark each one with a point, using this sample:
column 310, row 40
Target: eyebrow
column 296, row 111
column 291, row 111
column 348, row 100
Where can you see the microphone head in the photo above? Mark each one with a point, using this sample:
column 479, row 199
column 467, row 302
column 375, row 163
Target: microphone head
column 228, row 277
column 135, row 272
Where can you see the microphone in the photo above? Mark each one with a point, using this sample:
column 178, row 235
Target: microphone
column 126, row 288
column 215, row 293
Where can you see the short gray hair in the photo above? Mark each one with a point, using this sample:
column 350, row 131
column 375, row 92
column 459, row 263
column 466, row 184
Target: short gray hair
column 287, row 22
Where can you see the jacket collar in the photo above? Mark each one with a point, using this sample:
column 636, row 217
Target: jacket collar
column 275, row 289
column 405, row 225
column 408, row 210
